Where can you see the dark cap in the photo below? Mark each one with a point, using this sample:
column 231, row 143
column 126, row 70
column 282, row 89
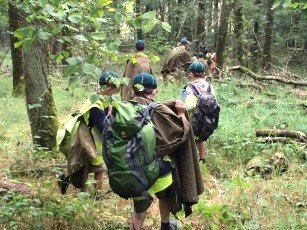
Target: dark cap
column 140, row 44
column 145, row 79
column 197, row 67
column 184, row 41
column 106, row 76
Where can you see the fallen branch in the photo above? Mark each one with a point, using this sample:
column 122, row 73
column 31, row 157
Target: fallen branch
column 267, row 78
column 281, row 133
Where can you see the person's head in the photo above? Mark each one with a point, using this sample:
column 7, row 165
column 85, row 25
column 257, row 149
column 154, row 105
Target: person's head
column 197, row 70
column 200, row 55
column 144, row 84
column 203, row 49
column 140, row 45
column 184, row 42
column 107, row 83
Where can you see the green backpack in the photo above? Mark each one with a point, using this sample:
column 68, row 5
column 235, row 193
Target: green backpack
column 129, row 149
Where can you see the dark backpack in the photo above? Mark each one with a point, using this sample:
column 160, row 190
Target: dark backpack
column 129, row 149
column 206, row 114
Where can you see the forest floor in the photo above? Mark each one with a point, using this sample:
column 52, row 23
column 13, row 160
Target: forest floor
column 233, row 197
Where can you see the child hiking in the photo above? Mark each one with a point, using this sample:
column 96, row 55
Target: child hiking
column 191, row 96
column 80, row 139
column 173, row 143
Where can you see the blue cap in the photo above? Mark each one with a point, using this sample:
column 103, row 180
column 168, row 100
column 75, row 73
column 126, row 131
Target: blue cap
column 140, row 44
column 145, row 79
column 184, row 41
column 106, row 76
column 197, row 67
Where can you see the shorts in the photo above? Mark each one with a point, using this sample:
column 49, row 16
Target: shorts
column 96, row 168
column 143, row 205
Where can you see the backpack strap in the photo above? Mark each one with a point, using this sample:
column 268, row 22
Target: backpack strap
column 195, row 90
column 209, row 89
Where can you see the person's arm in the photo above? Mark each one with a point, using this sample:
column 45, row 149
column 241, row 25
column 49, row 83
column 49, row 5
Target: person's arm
column 96, row 118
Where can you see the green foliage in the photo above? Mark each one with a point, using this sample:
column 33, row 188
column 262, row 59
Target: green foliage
column 90, row 27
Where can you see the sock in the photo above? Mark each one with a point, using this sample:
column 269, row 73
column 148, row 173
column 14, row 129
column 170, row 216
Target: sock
column 165, row 226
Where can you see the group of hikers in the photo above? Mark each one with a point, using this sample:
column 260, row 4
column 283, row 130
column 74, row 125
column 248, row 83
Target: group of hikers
column 145, row 147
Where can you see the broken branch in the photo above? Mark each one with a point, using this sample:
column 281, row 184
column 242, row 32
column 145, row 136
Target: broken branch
column 267, row 78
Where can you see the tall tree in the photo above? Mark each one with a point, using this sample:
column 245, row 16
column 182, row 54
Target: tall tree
column 138, row 7
column 15, row 22
column 200, row 26
column 215, row 21
column 222, row 34
column 268, row 32
column 255, row 35
column 39, row 99
column 238, row 29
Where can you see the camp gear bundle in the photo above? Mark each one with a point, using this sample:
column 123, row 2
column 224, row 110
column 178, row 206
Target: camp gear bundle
column 206, row 114
column 129, row 149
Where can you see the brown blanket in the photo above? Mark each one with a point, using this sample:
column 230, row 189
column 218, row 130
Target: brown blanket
column 176, row 138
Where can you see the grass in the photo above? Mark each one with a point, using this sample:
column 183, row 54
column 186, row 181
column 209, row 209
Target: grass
column 230, row 201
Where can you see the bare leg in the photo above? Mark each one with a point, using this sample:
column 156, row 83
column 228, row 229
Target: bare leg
column 164, row 210
column 98, row 176
column 137, row 220
column 202, row 149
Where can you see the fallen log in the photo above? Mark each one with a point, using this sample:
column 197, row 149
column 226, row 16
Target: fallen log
column 267, row 78
column 281, row 133
column 10, row 185
column 285, row 140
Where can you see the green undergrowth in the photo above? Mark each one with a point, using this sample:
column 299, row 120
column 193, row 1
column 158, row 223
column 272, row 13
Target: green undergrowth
column 230, row 201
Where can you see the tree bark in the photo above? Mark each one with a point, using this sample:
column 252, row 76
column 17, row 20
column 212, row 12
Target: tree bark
column 41, row 108
column 139, row 32
column 281, row 133
column 255, row 51
column 268, row 78
column 200, row 26
column 216, row 20
column 238, row 29
column 15, row 22
column 222, row 34
column 268, row 33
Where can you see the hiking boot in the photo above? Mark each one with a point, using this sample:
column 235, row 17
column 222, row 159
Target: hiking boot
column 63, row 183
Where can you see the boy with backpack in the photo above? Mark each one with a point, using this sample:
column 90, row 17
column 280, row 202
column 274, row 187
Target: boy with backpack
column 80, row 138
column 172, row 132
column 199, row 95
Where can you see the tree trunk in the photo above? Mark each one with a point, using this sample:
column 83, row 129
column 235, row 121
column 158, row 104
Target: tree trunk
column 139, row 32
column 200, row 26
column 210, row 14
column 15, row 22
column 238, row 29
column 268, row 32
column 222, row 34
column 254, row 49
column 216, row 20
column 40, row 104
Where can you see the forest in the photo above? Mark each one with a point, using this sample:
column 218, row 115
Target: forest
column 52, row 53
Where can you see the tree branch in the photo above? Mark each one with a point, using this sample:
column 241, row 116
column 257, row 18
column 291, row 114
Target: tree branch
column 267, row 78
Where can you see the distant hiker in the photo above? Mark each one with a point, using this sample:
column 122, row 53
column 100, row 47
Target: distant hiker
column 199, row 95
column 80, row 138
column 137, row 63
column 176, row 61
column 175, row 141
column 210, row 58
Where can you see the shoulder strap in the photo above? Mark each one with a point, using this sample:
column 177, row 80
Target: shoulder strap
column 209, row 89
column 195, row 90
